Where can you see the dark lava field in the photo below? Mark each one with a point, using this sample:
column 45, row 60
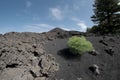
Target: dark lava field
column 46, row 56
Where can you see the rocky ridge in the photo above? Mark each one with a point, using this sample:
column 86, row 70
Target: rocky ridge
column 22, row 57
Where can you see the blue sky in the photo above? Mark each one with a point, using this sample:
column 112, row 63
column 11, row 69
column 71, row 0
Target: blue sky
column 43, row 15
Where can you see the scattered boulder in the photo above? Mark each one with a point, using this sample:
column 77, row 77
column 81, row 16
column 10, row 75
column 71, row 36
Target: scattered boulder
column 110, row 51
column 94, row 52
column 95, row 69
column 103, row 42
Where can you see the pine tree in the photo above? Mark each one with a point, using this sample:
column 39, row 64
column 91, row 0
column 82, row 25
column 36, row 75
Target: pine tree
column 106, row 15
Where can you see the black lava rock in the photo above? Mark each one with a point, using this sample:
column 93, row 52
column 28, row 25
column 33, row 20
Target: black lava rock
column 110, row 51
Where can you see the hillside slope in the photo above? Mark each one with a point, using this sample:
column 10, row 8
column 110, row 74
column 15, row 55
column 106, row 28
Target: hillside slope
column 45, row 56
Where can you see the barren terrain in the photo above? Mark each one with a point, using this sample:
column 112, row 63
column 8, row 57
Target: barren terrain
column 46, row 56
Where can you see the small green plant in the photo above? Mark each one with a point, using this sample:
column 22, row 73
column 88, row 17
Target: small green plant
column 79, row 45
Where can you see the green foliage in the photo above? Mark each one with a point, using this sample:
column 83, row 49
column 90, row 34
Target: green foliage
column 94, row 29
column 98, row 29
column 79, row 45
column 106, row 15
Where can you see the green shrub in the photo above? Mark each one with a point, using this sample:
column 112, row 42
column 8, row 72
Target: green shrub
column 79, row 45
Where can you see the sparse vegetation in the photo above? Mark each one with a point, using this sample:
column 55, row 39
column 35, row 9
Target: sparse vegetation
column 79, row 45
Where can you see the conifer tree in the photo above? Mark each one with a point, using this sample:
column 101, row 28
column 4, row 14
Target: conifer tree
column 107, row 15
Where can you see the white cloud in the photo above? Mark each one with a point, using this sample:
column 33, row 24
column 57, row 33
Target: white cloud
column 45, row 27
column 82, row 26
column 28, row 4
column 70, row 29
column 80, row 23
column 67, row 29
column 56, row 13
column 39, row 26
column 61, row 12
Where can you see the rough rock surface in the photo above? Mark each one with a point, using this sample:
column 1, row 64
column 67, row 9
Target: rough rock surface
column 35, row 56
column 22, row 57
column 95, row 69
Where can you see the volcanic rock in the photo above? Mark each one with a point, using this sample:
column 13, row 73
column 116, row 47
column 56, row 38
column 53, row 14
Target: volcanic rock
column 94, row 52
column 103, row 42
column 95, row 69
column 22, row 57
column 45, row 56
column 110, row 51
